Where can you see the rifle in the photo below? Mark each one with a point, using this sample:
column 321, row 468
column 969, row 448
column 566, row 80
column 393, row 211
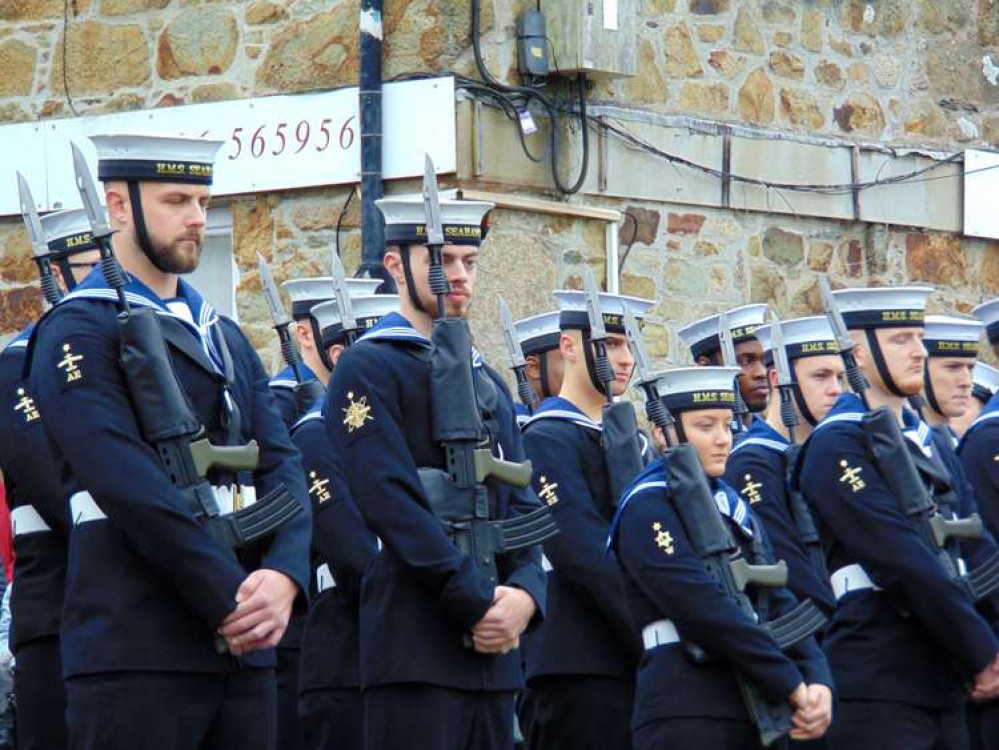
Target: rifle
column 307, row 392
column 457, row 495
column 43, row 258
column 889, row 452
column 727, row 348
column 517, row 362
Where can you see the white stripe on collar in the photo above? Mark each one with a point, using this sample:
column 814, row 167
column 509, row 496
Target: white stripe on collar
column 18, row 344
column 984, row 417
column 310, row 416
column 282, row 383
column 846, row 416
column 774, row 445
column 395, row 333
column 564, row 414
column 658, row 484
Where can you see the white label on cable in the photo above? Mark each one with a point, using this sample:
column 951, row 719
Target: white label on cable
column 610, row 15
column 527, row 124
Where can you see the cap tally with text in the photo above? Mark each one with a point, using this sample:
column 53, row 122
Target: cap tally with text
column 539, row 333
column 368, row 309
column 988, row 313
column 985, row 381
column 883, row 307
column 701, row 336
column 67, row 232
column 307, row 293
column 155, row 158
column 464, row 222
column 803, row 337
column 949, row 336
column 691, row 388
column 572, row 310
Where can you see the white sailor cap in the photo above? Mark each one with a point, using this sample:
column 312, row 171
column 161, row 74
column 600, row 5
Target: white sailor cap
column 803, row 337
column 988, row 313
column 883, row 307
column 539, row 333
column 689, row 388
column 986, row 381
column 155, row 158
column 573, row 315
column 464, row 222
column 368, row 309
column 701, row 336
column 948, row 336
column 307, row 293
column 67, row 232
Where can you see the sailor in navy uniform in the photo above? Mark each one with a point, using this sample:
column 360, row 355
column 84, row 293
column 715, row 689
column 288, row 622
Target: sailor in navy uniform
column 984, row 385
column 538, row 336
column 306, row 294
column 701, row 337
column 149, row 590
column 330, row 707
column 682, row 703
column 39, row 519
column 978, row 449
column 905, row 636
column 757, row 468
column 581, row 661
column 439, row 666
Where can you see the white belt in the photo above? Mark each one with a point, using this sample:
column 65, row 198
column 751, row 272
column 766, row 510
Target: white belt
column 851, row 578
column 546, row 564
column 324, row 578
column 659, row 633
column 83, row 508
column 224, row 496
column 26, row 520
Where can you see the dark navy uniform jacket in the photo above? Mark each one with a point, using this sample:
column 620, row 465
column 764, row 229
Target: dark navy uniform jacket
column 666, row 579
column 342, row 543
column 978, row 450
column 588, row 629
column 756, row 470
column 283, row 387
column 38, row 505
column 919, row 637
column 147, row 585
column 420, row 595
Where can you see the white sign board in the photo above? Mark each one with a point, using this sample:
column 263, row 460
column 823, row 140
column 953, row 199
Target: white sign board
column 981, row 193
column 271, row 143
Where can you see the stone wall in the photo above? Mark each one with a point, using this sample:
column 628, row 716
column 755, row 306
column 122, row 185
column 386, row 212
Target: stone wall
column 913, row 72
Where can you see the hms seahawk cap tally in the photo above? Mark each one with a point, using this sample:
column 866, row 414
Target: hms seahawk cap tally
column 985, row 381
column 803, row 337
column 155, row 158
column 988, row 313
column 464, row 222
column 539, row 333
column 950, row 336
column 572, row 310
column 67, row 232
column 701, row 336
column 305, row 294
column 883, row 307
column 693, row 388
column 368, row 309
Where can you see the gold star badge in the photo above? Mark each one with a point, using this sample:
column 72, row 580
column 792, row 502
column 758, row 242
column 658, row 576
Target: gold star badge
column 664, row 540
column 547, row 492
column 318, row 487
column 69, row 363
column 851, row 476
column 357, row 412
column 751, row 490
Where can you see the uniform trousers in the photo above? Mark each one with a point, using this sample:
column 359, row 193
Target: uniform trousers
column 887, row 725
column 173, row 711
column 697, row 733
column 578, row 712
column 416, row 715
column 983, row 725
column 332, row 719
column 288, row 730
column 40, row 696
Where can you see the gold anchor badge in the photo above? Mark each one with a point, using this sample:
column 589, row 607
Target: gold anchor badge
column 851, row 475
column 664, row 540
column 752, row 490
column 318, row 487
column 547, row 492
column 357, row 413
column 69, row 364
column 26, row 406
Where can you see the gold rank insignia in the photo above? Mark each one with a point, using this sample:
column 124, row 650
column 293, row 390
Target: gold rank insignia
column 319, row 487
column 547, row 492
column 357, row 412
column 664, row 540
column 752, row 490
column 851, row 475
column 69, row 364
column 26, row 406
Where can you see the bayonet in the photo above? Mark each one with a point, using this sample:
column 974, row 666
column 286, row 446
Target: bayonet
column 342, row 298
column 854, row 375
column 517, row 361
column 439, row 286
column 598, row 331
column 280, row 318
column 91, row 199
column 785, row 380
column 50, row 289
column 654, row 409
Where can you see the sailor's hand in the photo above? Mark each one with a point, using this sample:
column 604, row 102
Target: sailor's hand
column 813, row 718
column 498, row 632
column 263, row 608
column 986, row 685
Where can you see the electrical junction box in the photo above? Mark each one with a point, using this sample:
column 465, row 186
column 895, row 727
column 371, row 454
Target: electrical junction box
column 597, row 38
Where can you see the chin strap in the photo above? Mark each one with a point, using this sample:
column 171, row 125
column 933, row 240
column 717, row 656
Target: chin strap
column 591, row 362
column 141, row 231
column 931, row 396
column 879, row 361
column 543, row 363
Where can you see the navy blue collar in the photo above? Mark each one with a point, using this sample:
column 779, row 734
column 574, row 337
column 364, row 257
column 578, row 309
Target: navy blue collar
column 760, row 433
column 556, row 407
column 396, row 327
column 286, row 378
